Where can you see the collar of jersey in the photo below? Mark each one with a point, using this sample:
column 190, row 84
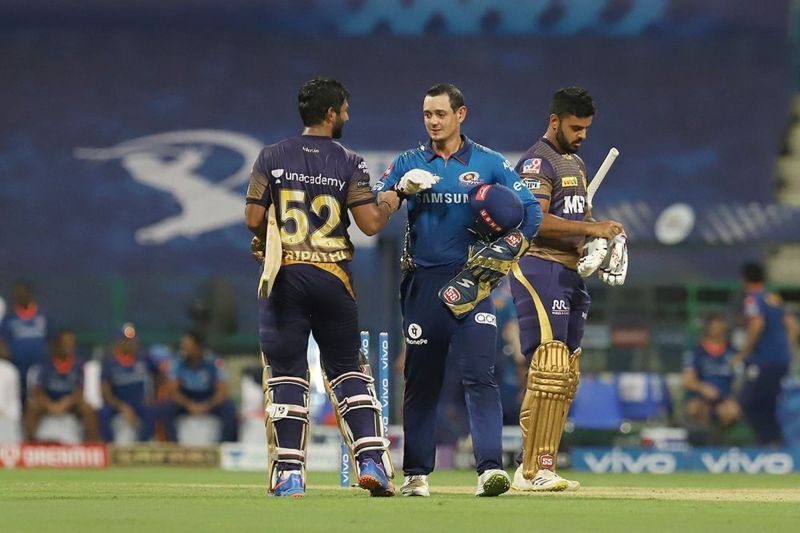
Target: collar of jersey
column 462, row 155
column 26, row 313
column 65, row 365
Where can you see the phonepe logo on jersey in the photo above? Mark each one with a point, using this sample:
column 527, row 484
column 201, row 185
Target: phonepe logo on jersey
column 319, row 179
column 444, row 198
column 414, row 335
column 574, row 204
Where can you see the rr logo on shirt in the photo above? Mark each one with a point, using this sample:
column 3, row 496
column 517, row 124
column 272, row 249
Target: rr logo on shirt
column 574, row 204
column 560, row 307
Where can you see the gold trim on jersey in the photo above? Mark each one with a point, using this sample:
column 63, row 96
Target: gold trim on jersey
column 544, row 318
column 331, row 268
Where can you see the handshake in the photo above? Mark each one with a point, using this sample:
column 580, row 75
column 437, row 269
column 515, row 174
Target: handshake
column 608, row 258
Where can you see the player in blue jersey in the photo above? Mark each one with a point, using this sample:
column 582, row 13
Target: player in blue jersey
column 437, row 178
column 198, row 386
column 766, row 354
column 298, row 200
column 58, row 389
column 25, row 330
column 708, row 376
column 127, row 380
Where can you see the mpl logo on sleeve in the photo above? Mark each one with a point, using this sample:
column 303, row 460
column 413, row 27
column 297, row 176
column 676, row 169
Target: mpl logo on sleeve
column 532, row 166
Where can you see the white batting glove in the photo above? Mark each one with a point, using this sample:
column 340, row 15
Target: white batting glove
column 416, row 180
column 594, row 252
column 615, row 266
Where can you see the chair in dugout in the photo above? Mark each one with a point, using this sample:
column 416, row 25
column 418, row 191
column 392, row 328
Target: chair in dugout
column 10, row 408
column 596, row 405
column 251, row 427
column 198, row 430
column 643, row 396
column 64, row 429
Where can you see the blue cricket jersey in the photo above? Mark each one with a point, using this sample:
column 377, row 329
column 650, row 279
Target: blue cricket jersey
column 59, row 378
column 713, row 365
column 439, row 218
column 197, row 383
column 773, row 345
column 130, row 377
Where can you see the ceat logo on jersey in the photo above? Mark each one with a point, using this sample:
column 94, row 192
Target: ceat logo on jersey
column 513, row 239
column 482, row 192
column 532, row 166
column 532, row 184
column 486, row 318
column 451, row 295
column 469, row 178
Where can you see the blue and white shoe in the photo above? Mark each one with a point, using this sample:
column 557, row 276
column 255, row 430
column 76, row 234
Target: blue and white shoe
column 373, row 478
column 290, row 485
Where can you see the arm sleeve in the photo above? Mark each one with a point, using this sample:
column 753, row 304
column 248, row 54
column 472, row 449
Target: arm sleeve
column 258, row 189
column 538, row 175
column 689, row 360
column 533, row 211
column 359, row 190
column 752, row 307
column 391, row 177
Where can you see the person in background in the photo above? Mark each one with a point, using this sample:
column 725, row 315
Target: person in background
column 197, row 386
column 766, row 354
column 127, row 382
column 708, row 377
column 58, row 389
column 25, row 332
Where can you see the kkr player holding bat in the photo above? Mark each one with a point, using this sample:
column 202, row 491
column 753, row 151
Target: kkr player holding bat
column 550, row 294
column 307, row 183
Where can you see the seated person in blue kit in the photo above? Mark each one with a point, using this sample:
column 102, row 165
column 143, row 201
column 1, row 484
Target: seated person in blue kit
column 127, row 381
column 58, row 389
column 708, row 376
column 197, row 386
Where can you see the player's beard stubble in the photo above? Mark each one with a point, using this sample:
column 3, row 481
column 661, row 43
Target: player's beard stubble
column 338, row 126
column 564, row 144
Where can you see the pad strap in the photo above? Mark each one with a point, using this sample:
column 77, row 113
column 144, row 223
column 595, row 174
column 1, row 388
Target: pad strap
column 281, row 411
column 290, row 455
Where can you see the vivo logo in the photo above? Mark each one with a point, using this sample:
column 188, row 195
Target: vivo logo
column 735, row 461
column 618, row 461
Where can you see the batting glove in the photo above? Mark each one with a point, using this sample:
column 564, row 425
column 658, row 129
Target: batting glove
column 615, row 266
column 594, row 252
column 416, row 180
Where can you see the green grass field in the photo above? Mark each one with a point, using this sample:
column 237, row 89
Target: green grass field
column 182, row 499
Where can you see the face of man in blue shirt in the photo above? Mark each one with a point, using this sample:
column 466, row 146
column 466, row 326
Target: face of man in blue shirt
column 441, row 121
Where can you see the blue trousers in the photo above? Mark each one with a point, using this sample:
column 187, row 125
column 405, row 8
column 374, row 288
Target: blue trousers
column 147, row 421
column 435, row 339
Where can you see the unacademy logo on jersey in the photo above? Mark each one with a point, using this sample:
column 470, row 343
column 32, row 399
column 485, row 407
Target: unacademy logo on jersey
column 444, row 198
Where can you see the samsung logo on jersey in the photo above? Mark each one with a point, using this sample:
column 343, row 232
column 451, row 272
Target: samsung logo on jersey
column 319, row 179
column 444, row 198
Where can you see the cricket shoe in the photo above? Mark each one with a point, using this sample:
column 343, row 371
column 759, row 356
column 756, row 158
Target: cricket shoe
column 493, row 483
column 373, row 478
column 415, row 485
column 544, row 481
column 290, row 485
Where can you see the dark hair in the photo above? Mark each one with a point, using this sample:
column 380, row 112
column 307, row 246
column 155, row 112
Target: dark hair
column 574, row 101
column 713, row 317
column 753, row 272
column 319, row 95
column 24, row 284
column 196, row 336
column 453, row 92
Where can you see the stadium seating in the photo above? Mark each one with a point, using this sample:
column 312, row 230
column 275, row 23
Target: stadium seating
column 198, row 430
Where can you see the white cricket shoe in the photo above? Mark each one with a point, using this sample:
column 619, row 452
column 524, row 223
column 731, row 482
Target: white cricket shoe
column 415, row 485
column 493, row 483
column 543, row 481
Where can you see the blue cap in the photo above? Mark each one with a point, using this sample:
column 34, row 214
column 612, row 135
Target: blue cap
column 497, row 210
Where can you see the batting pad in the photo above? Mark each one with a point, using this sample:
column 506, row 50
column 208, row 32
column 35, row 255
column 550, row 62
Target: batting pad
column 552, row 382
